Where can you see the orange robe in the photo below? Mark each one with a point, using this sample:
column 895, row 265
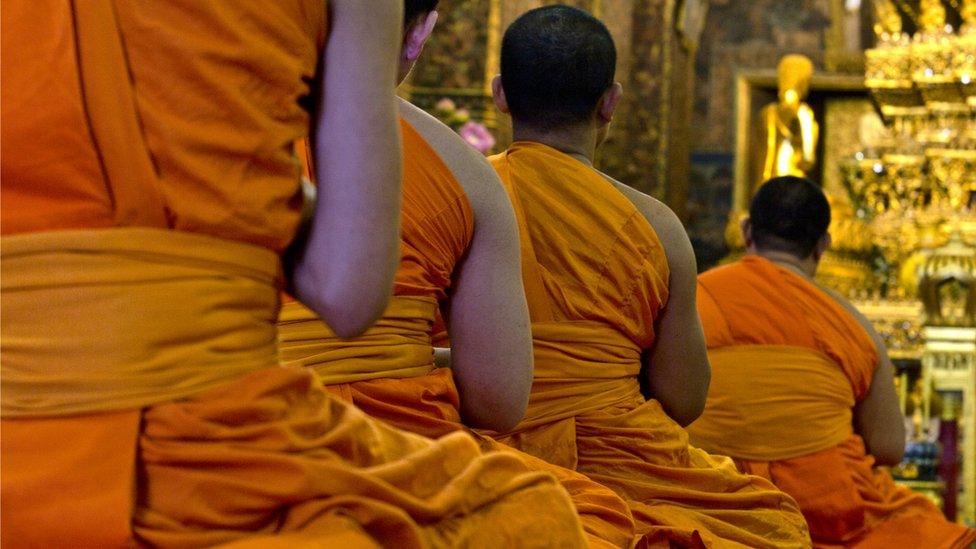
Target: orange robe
column 388, row 372
column 147, row 191
column 784, row 353
column 596, row 278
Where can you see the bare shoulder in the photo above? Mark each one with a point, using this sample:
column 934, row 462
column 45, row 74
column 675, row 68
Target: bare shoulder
column 665, row 222
column 470, row 168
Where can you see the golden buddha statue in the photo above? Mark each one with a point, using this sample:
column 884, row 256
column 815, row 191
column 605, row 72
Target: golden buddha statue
column 789, row 128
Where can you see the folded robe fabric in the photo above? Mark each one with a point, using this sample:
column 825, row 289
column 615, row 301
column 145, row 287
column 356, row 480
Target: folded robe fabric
column 143, row 404
column 789, row 363
column 388, row 372
column 258, row 452
column 596, row 278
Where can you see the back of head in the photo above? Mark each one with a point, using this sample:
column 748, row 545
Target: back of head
column 789, row 214
column 557, row 62
column 415, row 9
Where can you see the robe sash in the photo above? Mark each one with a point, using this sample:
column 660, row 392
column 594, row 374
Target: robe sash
column 119, row 319
column 580, row 367
column 802, row 406
column 397, row 346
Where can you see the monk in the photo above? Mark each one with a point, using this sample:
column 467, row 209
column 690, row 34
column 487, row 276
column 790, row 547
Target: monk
column 609, row 277
column 459, row 254
column 149, row 190
column 802, row 389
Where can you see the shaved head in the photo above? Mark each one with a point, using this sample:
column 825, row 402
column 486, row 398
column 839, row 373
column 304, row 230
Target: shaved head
column 557, row 62
column 789, row 214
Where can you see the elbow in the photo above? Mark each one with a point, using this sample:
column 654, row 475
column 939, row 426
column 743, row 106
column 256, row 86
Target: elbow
column 348, row 317
column 885, row 442
column 348, row 313
column 683, row 401
column 347, row 286
column 889, row 456
column 500, row 422
column 348, row 322
column 500, row 415
column 889, row 451
column 493, row 398
column 686, row 412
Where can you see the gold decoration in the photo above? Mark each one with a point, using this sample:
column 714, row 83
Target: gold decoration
column 888, row 21
column 843, row 267
column 968, row 12
column 948, row 286
column 931, row 17
column 917, row 184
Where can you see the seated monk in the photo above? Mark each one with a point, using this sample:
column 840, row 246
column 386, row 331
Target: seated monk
column 459, row 253
column 609, row 276
column 802, row 389
column 149, row 188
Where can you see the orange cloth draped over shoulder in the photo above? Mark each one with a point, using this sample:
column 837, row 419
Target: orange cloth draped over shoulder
column 785, row 353
column 596, row 277
column 389, row 373
column 147, row 191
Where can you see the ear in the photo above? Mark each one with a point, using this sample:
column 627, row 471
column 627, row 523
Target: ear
column 609, row 101
column 746, row 227
column 416, row 37
column 498, row 94
column 822, row 245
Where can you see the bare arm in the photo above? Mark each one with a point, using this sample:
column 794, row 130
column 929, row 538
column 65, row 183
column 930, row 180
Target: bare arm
column 486, row 314
column 878, row 418
column 345, row 271
column 808, row 135
column 677, row 368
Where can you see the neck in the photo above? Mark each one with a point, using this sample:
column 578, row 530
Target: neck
column 578, row 142
column 806, row 267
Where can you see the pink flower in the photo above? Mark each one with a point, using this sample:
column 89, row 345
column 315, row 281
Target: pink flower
column 478, row 136
column 445, row 106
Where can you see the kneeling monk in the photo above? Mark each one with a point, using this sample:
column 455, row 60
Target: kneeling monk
column 459, row 254
column 802, row 389
column 609, row 276
column 149, row 187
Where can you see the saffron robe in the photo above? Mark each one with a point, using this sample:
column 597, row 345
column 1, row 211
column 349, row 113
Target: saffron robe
column 148, row 189
column 789, row 364
column 596, row 278
column 389, row 373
